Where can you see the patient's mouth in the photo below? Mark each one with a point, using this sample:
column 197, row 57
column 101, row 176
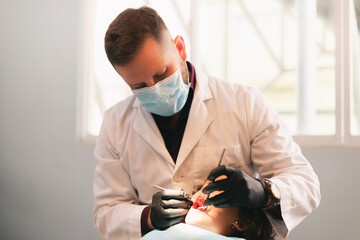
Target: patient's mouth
column 199, row 203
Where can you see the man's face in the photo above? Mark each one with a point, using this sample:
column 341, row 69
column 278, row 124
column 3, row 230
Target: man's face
column 153, row 63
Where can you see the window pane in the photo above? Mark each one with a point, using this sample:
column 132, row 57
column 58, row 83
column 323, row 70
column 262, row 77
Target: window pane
column 285, row 48
column 355, row 99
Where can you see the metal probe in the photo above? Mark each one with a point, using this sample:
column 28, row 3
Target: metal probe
column 186, row 195
column 221, row 157
column 158, row 187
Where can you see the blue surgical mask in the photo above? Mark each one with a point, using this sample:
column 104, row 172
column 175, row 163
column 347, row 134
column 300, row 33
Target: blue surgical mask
column 166, row 97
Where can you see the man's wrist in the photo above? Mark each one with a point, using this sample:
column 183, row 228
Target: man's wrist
column 272, row 192
column 146, row 225
column 151, row 227
column 269, row 200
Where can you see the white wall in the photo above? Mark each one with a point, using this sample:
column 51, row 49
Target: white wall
column 46, row 173
column 338, row 216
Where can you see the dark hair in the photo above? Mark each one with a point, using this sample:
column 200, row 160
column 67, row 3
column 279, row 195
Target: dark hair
column 129, row 30
column 258, row 225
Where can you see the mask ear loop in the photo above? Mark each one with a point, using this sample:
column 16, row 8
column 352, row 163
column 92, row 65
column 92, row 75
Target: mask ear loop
column 187, row 73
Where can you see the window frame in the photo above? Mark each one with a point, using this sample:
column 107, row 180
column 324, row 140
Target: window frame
column 85, row 75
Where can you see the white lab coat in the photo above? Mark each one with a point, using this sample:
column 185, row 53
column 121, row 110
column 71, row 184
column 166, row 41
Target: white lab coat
column 131, row 155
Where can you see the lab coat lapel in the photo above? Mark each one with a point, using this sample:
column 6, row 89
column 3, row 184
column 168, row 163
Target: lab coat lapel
column 199, row 118
column 145, row 126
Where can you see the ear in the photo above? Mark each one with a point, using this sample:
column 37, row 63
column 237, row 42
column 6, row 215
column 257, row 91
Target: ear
column 180, row 46
column 240, row 226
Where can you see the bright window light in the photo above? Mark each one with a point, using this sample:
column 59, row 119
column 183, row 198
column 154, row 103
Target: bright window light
column 355, row 87
column 292, row 50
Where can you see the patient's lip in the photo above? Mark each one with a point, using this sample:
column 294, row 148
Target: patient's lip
column 199, row 203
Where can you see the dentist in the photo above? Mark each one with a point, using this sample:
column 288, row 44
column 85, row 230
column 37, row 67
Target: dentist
column 172, row 131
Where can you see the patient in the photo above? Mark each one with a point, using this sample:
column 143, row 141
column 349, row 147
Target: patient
column 218, row 223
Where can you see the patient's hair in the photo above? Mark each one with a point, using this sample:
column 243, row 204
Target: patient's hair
column 129, row 30
column 258, row 225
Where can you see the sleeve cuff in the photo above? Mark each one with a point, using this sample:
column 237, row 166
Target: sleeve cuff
column 144, row 217
column 275, row 212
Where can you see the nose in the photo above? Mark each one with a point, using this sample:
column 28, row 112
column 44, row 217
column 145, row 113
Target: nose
column 152, row 82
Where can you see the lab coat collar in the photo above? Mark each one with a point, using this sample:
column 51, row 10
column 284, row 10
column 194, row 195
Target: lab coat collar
column 136, row 103
column 198, row 122
column 202, row 89
column 145, row 126
column 199, row 118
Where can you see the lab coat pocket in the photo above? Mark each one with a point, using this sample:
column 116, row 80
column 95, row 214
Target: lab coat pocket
column 207, row 158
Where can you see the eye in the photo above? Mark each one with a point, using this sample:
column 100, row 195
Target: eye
column 139, row 86
column 161, row 75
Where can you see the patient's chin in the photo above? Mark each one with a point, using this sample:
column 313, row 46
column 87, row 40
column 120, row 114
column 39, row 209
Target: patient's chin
column 201, row 220
column 192, row 217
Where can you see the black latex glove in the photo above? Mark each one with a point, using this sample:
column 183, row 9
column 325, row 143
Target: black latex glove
column 239, row 189
column 168, row 207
